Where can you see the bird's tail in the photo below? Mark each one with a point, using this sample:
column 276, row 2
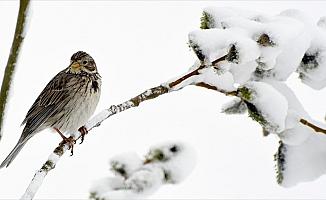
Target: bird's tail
column 20, row 144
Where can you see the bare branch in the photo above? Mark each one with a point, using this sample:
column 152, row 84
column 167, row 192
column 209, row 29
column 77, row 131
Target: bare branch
column 316, row 128
column 13, row 57
column 211, row 87
column 193, row 73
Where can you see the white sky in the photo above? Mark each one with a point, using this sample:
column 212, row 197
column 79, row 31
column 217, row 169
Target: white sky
column 138, row 45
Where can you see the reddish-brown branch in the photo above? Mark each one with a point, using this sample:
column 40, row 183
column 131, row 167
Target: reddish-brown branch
column 205, row 85
column 196, row 72
column 193, row 73
column 215, row 62
column 211, row 87
column 316, row 128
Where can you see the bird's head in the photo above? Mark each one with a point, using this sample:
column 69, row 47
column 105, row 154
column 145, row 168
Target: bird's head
column 82, row 62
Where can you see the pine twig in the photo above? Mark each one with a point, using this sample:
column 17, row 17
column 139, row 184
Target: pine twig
column 13, row 57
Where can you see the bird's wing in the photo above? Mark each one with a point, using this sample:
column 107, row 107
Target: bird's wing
column 52, row 98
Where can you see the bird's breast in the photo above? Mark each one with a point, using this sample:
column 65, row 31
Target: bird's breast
column 82, row 107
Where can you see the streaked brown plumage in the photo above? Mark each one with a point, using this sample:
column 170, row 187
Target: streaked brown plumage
column 65, row 104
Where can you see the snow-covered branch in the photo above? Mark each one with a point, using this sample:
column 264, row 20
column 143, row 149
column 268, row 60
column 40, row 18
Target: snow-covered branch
column 94, row 122
column 13, row 57
column 196, row 75
column 169, row 162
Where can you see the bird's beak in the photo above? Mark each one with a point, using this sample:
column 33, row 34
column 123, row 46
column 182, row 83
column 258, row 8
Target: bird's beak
column 75, row 65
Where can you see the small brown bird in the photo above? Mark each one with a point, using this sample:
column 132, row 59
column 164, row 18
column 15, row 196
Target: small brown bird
column 65, row 104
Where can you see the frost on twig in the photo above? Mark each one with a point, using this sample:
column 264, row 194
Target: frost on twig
column 13, row 57
column 170, row 162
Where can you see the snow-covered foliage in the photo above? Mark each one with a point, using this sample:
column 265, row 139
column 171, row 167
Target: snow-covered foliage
column 266, row 46
column 169, row 162
column 125, row 164
column 261, row 52
column 236, row 106
column 265, row 99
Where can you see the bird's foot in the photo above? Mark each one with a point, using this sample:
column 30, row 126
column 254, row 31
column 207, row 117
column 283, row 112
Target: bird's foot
column 83, row 130
column 70, row 141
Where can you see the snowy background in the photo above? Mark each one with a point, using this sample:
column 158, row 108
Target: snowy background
column 138, row 45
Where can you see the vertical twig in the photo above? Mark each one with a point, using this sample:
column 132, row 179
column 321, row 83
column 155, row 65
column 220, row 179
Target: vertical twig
column 13, row 57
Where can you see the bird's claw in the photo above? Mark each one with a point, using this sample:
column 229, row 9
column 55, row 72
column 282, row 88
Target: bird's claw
column 83, row 130
column 70, row 141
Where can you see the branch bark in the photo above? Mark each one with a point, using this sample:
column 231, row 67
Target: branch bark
column 13, row 57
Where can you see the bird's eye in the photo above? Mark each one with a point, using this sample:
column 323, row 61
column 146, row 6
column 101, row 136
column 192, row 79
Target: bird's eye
column 84, row 62
column 174, row 149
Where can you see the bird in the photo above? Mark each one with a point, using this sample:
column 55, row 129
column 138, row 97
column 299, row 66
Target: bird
column 65, row 104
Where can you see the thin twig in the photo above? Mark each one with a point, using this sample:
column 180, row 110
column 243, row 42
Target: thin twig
column 316, row 128
column 193, row 73
column 196, row 72
column 13, row 57
column 215, row 62
column 211, row 87
column 207, row 86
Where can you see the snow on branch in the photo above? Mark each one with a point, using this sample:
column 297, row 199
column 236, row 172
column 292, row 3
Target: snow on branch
column 94, row 122
column 283, row 40
column 169, row 162
column 301, row 155
column 198, row 74
column 266, row 51
column 13, row 57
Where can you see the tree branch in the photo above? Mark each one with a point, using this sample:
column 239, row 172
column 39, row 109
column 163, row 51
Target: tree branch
column 94, row 122
column 211, row 87
column 193, row 73
column 13, row 57
column 98, row 119
column 316, row 128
